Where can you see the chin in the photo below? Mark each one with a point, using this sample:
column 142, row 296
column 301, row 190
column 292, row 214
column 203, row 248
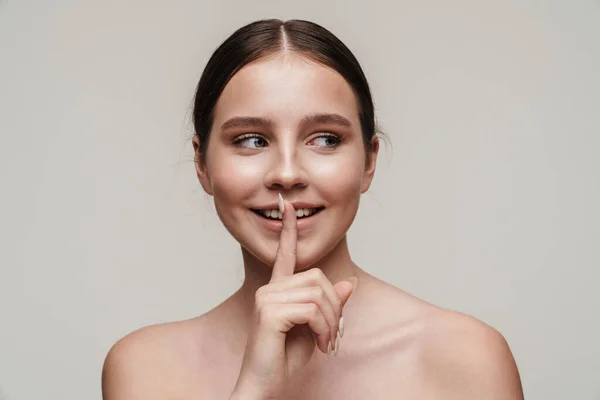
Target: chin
column 307, row 256
column 306, row 263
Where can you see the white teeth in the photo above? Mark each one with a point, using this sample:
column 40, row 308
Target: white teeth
column 276, row 214
column 305, row 212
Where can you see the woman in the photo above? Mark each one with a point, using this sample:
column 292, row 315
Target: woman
column 286, row 144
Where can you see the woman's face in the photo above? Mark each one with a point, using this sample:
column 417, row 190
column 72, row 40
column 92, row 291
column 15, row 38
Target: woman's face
column 286, row 125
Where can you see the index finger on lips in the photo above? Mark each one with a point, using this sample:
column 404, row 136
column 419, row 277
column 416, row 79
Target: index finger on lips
column 285, row 260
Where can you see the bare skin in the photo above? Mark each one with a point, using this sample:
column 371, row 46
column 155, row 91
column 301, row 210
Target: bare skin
column 394, row 345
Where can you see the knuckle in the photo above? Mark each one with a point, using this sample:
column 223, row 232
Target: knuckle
column 259, row 291
column 316, row 274
column 313, row 310
column 318, row 293
column 259, row 295
column 262, row 297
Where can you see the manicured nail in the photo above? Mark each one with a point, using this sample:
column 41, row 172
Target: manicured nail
column 341, row 329
column 329, row 349
column 280, row 201
column 337, row 345
column 354, row 281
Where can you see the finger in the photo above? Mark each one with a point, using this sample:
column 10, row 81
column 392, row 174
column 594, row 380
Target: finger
column 285, row 260
column 344, row 290
column 310, row 314
column 313, row 277
column 313, row 294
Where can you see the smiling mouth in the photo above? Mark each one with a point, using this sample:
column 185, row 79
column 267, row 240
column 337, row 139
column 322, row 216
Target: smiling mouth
column 277, row 216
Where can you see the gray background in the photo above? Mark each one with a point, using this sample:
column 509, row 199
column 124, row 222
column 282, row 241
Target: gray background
column 488, row 203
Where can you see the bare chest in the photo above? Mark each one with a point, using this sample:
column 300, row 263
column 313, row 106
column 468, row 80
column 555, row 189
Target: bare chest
column 390, row 377
column 384, row 373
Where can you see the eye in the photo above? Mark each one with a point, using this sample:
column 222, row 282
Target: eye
column 327, row 140
column 250, row 141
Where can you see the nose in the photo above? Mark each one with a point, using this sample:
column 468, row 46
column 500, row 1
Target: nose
column 286, row 171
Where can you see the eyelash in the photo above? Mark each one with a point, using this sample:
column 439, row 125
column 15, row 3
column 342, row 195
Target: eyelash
column 329, row 135
column 239, row 139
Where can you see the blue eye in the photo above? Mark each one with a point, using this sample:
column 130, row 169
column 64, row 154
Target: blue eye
column 250, row 141
column 329, row 141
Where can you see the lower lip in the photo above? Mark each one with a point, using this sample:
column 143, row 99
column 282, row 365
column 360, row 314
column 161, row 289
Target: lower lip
column 277, row 225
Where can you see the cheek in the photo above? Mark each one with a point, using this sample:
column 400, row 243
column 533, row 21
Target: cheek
column 340, row 177
column 234, row 179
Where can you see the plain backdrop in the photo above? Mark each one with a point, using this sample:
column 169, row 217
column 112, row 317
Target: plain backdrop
column 487, row 202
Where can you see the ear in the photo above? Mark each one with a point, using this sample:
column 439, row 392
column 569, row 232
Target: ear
column 370, row 164
column 200, row 164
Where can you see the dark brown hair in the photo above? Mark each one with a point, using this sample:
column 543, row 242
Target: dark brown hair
column 266, row 37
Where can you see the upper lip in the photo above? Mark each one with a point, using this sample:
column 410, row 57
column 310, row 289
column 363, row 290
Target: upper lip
column 297, row 205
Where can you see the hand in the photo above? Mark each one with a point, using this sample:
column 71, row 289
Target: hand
column 293, row 313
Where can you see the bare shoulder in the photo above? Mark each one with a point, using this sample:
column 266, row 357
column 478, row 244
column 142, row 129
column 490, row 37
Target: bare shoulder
column 145, row 363
column 465, row 358
column 450, row 355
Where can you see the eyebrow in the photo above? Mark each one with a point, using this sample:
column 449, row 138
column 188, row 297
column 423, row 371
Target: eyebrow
column 325, row 118
column 244, row 122
column 319, row 118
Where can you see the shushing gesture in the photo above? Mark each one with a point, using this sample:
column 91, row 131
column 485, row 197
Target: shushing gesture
column 292, row 314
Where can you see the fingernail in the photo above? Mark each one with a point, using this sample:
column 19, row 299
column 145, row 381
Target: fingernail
column 337, row 345
column 329, row 349
column 354, row 281
column 280, row 201
column 341, row 329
